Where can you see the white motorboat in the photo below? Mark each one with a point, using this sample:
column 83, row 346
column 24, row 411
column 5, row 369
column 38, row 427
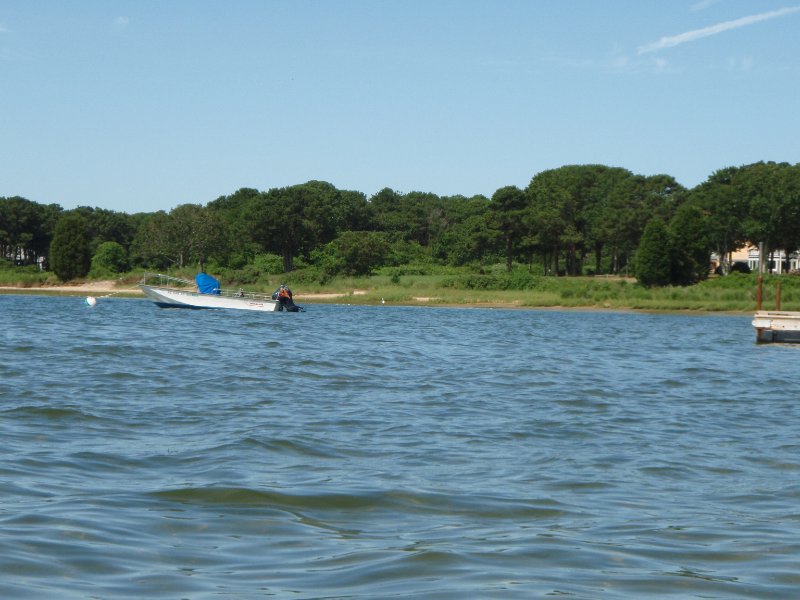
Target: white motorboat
column 204, row 292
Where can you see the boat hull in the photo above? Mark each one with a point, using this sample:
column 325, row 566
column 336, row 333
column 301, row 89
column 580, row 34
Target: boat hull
column 174, row 298
column 777, row 327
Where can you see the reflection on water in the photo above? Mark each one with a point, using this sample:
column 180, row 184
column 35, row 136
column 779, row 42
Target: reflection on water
column 370, row 452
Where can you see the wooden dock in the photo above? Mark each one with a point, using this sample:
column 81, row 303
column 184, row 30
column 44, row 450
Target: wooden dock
column 775, row 326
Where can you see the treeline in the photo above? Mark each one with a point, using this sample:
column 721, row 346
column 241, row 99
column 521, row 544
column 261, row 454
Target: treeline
column 573, row 220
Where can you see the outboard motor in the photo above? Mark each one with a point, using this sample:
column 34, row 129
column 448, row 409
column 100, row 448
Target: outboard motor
column 288, row 305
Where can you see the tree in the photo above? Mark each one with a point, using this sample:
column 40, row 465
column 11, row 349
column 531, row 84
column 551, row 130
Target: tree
column 355, row 253
column 772, row 191
column 653, row 261
column 110, row 258
column 508, row 207
column 26, row 229
column 689, row 231
column 231, row 210
column 276, row 225
column 190, row 233
column 467, row 235
column 294, row 220
column 414, row 217
column 787, row 231
column 70, row 254
column 603, row 212
column 151, row 247
column 638, row 200
column 547, row 197
column 108, row 226
column 571, row 212
column 727, row 211
column 352, row 212
column 196, row 232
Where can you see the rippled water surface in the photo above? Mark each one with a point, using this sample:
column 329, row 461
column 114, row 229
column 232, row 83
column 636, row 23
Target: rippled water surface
column 379, row 452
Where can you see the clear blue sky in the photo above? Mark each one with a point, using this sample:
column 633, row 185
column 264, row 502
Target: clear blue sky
column 144, row 105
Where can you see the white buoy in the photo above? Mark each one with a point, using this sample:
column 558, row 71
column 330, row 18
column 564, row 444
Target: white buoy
column 91, row 300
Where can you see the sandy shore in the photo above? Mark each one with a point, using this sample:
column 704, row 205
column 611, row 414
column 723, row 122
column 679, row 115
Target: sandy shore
column 91, row 288
column 101, row 288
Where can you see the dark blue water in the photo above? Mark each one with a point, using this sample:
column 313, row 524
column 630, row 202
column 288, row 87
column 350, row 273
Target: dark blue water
column 385, row 452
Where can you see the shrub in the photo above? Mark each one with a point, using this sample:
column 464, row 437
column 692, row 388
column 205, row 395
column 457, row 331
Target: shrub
column 110, row 259
column 270, row 264
column 740, row 267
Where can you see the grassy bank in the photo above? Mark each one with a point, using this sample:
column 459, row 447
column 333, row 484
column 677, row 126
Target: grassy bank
column 446, row 287
column 735, row 293
column 25, row 277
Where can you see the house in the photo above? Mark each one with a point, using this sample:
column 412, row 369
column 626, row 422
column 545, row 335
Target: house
column 777, row 262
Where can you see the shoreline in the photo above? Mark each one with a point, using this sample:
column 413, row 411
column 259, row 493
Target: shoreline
column 103, row 288
column 108, row 288
column 100, row 287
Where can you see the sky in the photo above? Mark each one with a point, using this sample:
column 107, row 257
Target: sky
column 143, row 105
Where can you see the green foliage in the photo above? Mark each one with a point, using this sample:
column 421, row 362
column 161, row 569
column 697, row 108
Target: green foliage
column 740, row 267
column 70, row 254
column 24, row 276
column 259, row 270
column 403, row 252
column 296, row 220
column 422, row 269
column 517, row 279
column 508, row 209
column 474, row 239
column 109, row 259
column 689, row 232
column 574, row 220
column 453, row 286
column 189, row 234
column 26, row 230
column 653, row 260
column 107, row 226
column 306, row 275
column 757, row 203
column 576, row 210
column 354, row 253
column 270, row 264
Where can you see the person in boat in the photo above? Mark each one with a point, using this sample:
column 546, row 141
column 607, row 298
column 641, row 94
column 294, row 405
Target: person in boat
column 280, row 290
column 284, row 295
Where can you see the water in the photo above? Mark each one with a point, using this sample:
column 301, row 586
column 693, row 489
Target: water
column 386, row 452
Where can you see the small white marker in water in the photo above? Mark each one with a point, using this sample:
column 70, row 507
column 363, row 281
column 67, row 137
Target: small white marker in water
column 91, row 300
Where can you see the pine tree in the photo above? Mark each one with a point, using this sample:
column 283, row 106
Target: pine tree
column 653, row 261
column 70, row 254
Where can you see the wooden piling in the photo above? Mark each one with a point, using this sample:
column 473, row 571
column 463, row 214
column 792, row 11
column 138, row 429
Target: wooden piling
column 758, row 292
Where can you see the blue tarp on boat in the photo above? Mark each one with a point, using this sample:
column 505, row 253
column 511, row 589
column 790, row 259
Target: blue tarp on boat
column 206, row 284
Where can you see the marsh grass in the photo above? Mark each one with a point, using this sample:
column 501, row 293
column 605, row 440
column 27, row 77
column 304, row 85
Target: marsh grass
column 734, row 293
column 23, row 276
